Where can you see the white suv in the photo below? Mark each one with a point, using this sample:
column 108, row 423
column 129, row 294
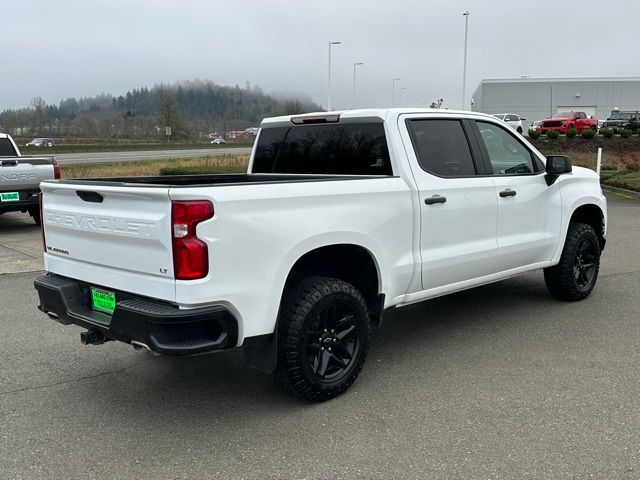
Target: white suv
column 511, row 119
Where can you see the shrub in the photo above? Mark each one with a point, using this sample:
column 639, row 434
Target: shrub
column 572, row 132
column 628, row 180
column 606, row 132
column 631, row 161
column 626, row 133
column 534, row 133
column 588, row 133
column 552, row 134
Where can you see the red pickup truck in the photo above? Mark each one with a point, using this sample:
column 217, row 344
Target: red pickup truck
column 563, row 121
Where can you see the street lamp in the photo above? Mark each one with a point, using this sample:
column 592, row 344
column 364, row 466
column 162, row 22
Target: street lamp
column 329, row 82
column 355, row 64
column 393, row 95
column 464, row 68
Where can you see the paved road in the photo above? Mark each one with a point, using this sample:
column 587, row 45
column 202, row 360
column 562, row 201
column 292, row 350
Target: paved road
column 497, row 382
column 103, row 157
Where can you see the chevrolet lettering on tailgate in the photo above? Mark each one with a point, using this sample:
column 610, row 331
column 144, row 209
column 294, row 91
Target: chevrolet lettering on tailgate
column 103, row 224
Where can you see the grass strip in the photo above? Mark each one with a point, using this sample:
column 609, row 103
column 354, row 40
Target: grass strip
column 147, row 168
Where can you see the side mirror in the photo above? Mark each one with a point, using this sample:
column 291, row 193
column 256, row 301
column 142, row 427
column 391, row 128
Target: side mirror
column 556, row 165
column 523, row 119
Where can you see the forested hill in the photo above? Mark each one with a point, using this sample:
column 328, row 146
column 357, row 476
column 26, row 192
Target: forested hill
column 190, row 108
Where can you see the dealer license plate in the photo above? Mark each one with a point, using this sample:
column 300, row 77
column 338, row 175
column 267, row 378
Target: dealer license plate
column 103, row 301
column 10, row 196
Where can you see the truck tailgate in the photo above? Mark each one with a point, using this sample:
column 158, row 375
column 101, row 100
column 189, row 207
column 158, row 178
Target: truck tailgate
column 111, row 236
column 20, row 173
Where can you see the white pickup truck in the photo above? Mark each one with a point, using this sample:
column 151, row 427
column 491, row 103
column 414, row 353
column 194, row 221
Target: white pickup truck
column 20, row 178
column 340, row 216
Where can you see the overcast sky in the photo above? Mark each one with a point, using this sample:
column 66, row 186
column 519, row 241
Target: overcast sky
column 65, row 48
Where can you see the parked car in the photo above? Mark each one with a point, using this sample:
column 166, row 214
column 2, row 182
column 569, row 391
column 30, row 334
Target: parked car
column 20, row 178
column 563, row 121
column 511, row 119
column 41, row 142
column 623, row 120
column 218, row 140
column 535, row 125
column 296, row 260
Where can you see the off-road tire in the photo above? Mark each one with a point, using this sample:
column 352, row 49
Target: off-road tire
column 300, row 314
column 561, row 279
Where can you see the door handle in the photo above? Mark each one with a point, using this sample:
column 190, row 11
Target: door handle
column 435, row 199
column 508, row 193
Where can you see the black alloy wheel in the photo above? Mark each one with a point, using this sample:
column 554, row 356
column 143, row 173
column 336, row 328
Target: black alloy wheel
column 332, row 342
column 584, row 263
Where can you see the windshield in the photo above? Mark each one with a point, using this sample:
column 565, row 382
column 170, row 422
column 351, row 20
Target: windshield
column 500, row 116
column 563, row 115
column 620, row 116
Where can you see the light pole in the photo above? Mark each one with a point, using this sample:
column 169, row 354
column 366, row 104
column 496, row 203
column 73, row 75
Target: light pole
column 464, row 68
column 329, row 81
column 393, row 95
column 355, row 64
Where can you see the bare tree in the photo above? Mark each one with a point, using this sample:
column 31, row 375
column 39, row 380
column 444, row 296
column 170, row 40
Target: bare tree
column 39, row 107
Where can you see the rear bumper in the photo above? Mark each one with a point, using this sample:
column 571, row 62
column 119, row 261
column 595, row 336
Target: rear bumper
column 160, row 326
column 28, row 198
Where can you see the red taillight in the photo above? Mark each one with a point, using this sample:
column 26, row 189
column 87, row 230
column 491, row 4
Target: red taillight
column 190, row 255
column 56, row 171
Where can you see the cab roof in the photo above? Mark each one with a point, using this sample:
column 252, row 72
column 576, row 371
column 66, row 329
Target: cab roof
column 373, row 115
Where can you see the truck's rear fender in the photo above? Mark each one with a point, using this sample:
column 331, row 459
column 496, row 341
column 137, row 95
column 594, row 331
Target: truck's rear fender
column 350, row 262
column 582, row 201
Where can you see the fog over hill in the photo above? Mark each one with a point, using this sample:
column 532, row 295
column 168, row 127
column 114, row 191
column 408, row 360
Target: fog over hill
column 191, row 108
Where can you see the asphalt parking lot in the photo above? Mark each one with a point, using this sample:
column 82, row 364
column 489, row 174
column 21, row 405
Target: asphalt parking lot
column 497, row 382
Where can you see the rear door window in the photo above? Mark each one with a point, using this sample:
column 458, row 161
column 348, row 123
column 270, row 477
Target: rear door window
column 441, row 147
column 6, row 148
column 331, row 149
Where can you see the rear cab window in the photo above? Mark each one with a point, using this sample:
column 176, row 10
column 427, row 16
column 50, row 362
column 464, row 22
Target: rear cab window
column 6, row 148
column 323, row 149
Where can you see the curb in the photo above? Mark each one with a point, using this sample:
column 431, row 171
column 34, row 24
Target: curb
column 622, row 191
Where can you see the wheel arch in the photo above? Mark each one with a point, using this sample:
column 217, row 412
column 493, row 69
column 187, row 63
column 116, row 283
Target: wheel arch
column 592, row 215
column 350, row 262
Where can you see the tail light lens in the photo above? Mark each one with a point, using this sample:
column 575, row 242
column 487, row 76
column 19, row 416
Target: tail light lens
column 190, row 254
column 56, row 170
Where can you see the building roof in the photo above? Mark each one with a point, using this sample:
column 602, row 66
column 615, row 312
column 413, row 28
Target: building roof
column 551, row 79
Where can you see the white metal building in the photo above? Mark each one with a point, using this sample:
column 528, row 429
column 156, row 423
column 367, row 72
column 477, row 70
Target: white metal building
column 537, row 98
